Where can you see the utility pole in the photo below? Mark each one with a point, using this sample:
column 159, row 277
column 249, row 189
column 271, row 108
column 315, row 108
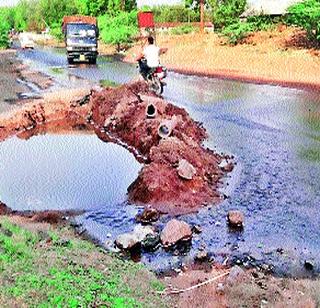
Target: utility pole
column 202, row 16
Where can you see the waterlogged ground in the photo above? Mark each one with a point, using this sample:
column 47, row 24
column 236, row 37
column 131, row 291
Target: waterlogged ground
column 274, row 134
column 64, row 172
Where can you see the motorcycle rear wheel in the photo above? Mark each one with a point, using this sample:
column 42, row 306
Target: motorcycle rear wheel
column 156, row 86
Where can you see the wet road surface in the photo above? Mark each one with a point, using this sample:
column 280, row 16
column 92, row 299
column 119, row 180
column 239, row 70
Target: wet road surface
column 274, row 134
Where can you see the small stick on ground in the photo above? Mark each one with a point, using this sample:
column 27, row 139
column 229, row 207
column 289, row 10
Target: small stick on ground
column 195, row 286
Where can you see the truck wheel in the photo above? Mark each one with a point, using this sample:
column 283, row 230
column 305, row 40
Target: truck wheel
column 70, row 60
column 93, row 61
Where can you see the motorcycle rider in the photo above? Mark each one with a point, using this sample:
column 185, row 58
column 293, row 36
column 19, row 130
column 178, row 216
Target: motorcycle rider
column 151, row 53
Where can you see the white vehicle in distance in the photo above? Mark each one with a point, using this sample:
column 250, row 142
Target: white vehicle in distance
column 26, row 41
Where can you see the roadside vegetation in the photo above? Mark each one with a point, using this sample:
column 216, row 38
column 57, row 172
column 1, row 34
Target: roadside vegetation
column 55, row 268
column 118, row 19
column 5, row 17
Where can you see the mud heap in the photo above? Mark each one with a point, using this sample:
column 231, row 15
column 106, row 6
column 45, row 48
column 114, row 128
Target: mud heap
column 57, row 112
column 179, row 174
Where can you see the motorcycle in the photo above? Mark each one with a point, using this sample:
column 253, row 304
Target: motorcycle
column 154, row 76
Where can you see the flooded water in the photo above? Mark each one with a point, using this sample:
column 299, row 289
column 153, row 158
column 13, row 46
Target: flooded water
column 274, row 134
column 64, row 172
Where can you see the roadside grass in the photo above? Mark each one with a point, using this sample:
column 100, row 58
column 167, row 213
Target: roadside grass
column 108, row 83
column 57, row 70
column 57, row 269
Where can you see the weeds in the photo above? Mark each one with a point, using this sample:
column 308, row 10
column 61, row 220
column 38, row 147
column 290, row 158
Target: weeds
column 55, row 271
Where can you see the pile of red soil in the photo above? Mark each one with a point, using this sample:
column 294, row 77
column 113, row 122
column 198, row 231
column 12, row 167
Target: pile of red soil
column 120, row 114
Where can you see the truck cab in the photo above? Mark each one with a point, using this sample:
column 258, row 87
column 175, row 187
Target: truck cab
column 81, row 38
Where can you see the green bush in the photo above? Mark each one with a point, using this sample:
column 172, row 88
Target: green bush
column 237, row 32
column 227, row 12
column 264, row 22
column 186, row 29
column 4, row 40
column 56, row 31
column 175, row 13
column 240, row 30
column 306, row 14
column 118, row 30
column 4, row 28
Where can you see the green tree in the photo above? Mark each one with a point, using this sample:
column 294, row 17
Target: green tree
column 224, row 12
column 306, row 14
column 119, row 29
column 21, row 15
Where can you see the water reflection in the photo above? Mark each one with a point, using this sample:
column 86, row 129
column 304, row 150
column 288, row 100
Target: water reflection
column 64, row 172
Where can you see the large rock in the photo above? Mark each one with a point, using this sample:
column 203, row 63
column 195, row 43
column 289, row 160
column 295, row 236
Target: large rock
column 148, row 216
column 174, row 232
column 127, row 241
column 131, row 240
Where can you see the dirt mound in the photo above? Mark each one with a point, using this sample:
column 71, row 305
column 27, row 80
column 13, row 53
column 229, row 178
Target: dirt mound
column 120, row 114
column 179, row 174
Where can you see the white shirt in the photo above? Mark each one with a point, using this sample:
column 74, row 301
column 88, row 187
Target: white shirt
column 151, row 53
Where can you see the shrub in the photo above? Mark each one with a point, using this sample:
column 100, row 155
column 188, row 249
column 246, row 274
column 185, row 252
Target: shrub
column 118, row 30
column 4, row 28
column 56, row 31
column 237, row 32
column 227, row 12
column 175, row 13
column 4, row 40
column 183, row 30
column 306, row 14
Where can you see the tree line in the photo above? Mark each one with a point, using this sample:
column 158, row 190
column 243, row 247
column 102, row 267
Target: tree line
column 118, row 18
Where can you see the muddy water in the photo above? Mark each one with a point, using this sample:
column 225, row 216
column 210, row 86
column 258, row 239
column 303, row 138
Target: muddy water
column 64, row 172
column 274, row 133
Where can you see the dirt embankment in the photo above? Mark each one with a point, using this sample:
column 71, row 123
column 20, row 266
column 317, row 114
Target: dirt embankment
column 280, row 57
column 179, row 175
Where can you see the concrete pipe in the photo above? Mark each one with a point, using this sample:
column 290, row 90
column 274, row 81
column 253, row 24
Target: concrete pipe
column 151, row 111
column 167, row 126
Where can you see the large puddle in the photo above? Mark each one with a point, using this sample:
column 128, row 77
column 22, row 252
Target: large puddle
column 64, row 172
column 273, row 132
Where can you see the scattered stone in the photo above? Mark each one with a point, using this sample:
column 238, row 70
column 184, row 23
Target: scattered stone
column 148, row 216
column 151, row 242
column 127, row 241
column 309, row 265
column 220, row 288
column 6, row 232
column 174, row 232
column 141, row 232
column 202, row 256
column 186, row 170
column 196, row 229
column 235, row 219
column 235, row 276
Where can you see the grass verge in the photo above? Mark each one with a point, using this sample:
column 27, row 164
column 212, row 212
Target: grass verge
column 57, row 269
